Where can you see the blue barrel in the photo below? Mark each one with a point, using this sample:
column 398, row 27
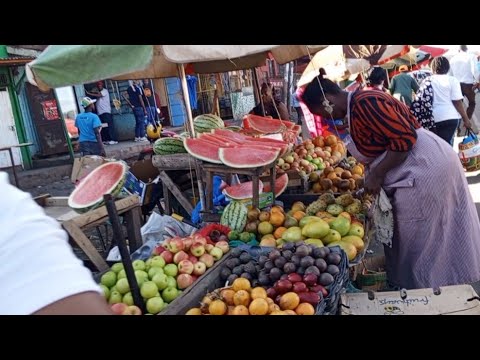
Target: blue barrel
column 124, row 126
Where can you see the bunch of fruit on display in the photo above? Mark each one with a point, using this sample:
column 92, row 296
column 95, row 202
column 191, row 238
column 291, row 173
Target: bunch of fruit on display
column 173, row 267
column 347, row 176
column 241, row 298
column 313, row 155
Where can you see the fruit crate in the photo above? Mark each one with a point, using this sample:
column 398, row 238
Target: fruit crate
column 192, row 296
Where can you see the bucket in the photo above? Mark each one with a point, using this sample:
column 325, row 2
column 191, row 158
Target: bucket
column 371, row 274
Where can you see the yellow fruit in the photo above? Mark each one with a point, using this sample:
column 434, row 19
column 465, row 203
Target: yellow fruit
column 258, row 293
column 333, row 236
column 305, row 309
column 298, row 206
column 227, row 296
column 242, row 297
column 258, row 307
column 276, row 209
column 289, row 312
column 298, row 215
column 217, row 307
column 356, row 230
column 241, row 284
column 268, row 242
column 272, row 308
column 357, row 170
column 355, row 241
column 265, row 228
column 289, row 301
column 194, row 311
column 277, row 219
column 264, row 216
column 240, row 310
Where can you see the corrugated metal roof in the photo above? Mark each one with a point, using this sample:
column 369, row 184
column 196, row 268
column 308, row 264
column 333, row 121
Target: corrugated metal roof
column 15, row 60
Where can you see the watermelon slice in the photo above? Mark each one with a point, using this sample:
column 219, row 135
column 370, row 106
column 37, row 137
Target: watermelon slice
column 244, row 157
column 216, row 140
column 263, row 124
column 203, row 150
column 229, row 134
column 280, row 185
column 242, row 191
column 108, row 178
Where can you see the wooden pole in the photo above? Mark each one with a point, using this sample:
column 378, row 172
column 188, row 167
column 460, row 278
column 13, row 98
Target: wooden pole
column 122, row 246
column 257, row 85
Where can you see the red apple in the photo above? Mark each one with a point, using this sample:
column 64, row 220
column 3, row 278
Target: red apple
column 199, row 238
column 209, row 247
column 199, row 268
column 193, row 259
column 187, row 242
column 181, row 255
column 207, row 259
column 158, row 250
column 197, row 249
column 176, row 245
column 194, row 278
column 132, row 310
column 217, row 253
column 167, row 256
column 119, row 308
column 185, row 267
column 184, row 281
column 166, row 244
column 223, row 245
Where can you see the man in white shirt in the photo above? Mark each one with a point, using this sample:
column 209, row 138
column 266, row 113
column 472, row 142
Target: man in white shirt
column 39, row 272
column 104, row 111
column 463, row 66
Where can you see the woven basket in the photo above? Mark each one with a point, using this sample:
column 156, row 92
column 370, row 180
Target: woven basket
column 371, row 274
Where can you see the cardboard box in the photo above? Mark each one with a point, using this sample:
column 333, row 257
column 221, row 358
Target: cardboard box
column 449, row 300
column 139, row 180
column 84, row 165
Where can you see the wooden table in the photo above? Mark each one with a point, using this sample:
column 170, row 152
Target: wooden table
column 9, row 149
column 75, row 223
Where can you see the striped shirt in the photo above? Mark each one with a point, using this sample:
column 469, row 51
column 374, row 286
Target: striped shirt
column 379, row 122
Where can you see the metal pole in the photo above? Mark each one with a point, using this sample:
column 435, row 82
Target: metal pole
column 198, row 170
column 289, row 86
column 122, row 246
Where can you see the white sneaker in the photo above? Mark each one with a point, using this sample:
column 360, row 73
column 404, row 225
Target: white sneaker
column 136, row 139
column 111, row 142
column 143, row 139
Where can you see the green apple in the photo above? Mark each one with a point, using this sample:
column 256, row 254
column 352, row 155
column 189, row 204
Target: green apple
column 115, row 297
column 158, row 261
column 123, row 286
column 141, row 277
column 171, row 270
column 128, row 299
column 155, row 305
column 169, row 294
column 106, row 291
column 108, row 279
column 122, row 274
column 161, row 280
column 148, row 289
column 117, row 267
column 138, row 265
column 171, row 282
column 155, row 270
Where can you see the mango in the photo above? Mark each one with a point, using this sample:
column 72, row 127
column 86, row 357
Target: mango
column 355, row 241
column 306, row 219
column 316, row 229
column 323, row 215
column 341, row 224
column 292, row 234
column 357, row 230
column 315, row 242
column 290, row 221
column 332, row 236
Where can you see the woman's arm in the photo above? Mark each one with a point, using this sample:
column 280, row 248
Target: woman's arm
column 283, row 111
column 461, row 110
column 374, row 179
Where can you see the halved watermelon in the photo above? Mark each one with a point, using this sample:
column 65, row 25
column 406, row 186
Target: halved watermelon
column 228, row 133
column 263, row 124
column 243, row 157
column 280, row 185
column 108, row 178
column 242, row 191
column 203, row 150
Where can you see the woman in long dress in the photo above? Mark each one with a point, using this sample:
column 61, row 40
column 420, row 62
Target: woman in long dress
column 436, row 239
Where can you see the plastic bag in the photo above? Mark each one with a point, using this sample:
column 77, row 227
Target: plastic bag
column 469, row 152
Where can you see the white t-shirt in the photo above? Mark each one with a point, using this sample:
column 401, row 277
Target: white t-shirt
column 464, row 67
column 37, row 265
column 103, row 103
column 445, row 89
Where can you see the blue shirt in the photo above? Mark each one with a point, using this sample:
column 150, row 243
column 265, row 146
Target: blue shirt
column 86, row 123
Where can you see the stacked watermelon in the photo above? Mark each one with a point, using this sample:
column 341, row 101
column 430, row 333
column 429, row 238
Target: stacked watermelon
column 234, row 149
column 169, row 146
column 207, row 122
column 264, row 125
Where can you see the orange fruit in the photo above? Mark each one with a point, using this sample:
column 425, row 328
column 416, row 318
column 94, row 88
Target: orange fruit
column 333, row 175
column 241, row 284
column 289, row 312
column 278, row 232
column 230, row 310
column 273, row 307
column 289, row 301
column 298, row 215
column 277, row 218
column 258, row 293
column 241, row 297
column 357, row 170
column 240, row 310
column 305, row 309
column 217, row 307
column 258, row 307
column 227, row 296
column 194, row 311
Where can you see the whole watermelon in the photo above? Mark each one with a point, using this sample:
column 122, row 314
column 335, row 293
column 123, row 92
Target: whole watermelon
column 207, row 122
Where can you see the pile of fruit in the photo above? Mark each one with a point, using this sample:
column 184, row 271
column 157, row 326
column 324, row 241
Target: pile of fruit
column 313, row 155
column 173, row 267
column 242, row 299
column 346, row 176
